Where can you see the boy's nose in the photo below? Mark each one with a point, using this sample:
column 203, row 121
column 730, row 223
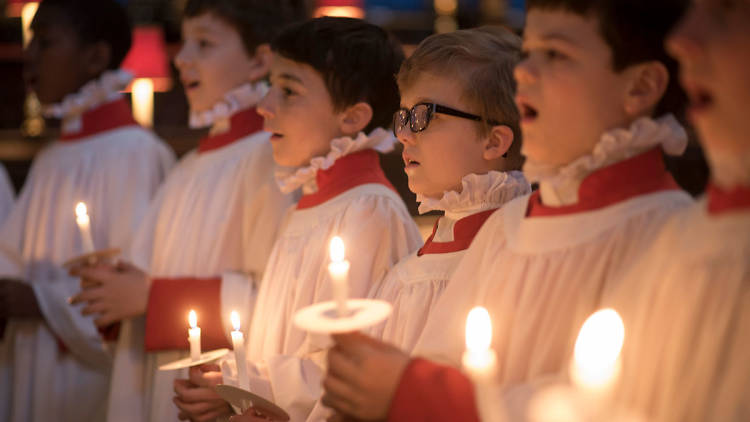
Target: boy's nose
column 406, row 136
column 525, row 73
column 265, row 107
column 182, row 58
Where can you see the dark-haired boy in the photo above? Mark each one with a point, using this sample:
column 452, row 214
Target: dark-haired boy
column 594, row 92
column 59, row 365
column 332, row 93
column 687, row 306
column 207, row 236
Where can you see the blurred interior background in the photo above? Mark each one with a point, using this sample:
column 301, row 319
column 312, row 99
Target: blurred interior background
column 156, row 40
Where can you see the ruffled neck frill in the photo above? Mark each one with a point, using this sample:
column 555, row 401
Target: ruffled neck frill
column 95, row 93
column 290, row 179
column 559, row 185
column 478, row 193
column 218, row 117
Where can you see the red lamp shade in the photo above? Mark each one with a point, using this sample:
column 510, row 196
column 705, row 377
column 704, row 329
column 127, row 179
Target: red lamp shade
column 13, row 7
column 147, row 57
column 345, row 8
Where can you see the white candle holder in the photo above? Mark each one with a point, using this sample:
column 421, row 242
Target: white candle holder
column 241, row 400
column 188, row 362
column 324, row 317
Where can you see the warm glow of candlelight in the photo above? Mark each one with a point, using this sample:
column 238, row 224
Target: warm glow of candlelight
column 340, row 11
column 478, row 330
column 193, row 319
column 337, row 250
column 81, row 212
column 27, row 15
column 143, row 101
column 597, row 350
column 235, row 318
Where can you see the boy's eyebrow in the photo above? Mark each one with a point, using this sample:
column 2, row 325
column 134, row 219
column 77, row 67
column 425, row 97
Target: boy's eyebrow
column 291, row 77
column 556, row 36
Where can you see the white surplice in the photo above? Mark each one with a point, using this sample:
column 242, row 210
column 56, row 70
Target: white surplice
column 217, row 215
column 541, row 276
column 286, row 363
column 116, row 172
column 686, row 309
column 415, row 284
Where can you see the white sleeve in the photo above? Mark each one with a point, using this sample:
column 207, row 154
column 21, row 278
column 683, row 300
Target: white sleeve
column 76, row 331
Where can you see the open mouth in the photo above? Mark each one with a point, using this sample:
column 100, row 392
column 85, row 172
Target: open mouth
column 700, row 100
column 528, row 113
column 275, row 136
column 409, row 162
column 189, row 86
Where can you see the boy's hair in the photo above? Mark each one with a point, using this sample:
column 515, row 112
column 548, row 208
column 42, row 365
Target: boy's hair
column 357, row 60
column 97, row 20
column 481, row 61
column 635, row 31
column 257, row 21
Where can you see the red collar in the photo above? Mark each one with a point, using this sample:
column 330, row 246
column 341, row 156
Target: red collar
column 721, row 201
column 112, row 115
column 463, row 234
column 347, row 172
column 241, row 124
column 640, row 175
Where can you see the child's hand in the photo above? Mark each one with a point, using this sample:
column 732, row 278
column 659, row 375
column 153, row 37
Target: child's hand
column 113, row 292
column 196, row 397
column 363, row 375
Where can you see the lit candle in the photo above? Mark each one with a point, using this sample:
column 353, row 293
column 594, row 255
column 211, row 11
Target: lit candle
column 27, row 15
column 194, row 336
column 143, row 101
column 596, row 359
column 84, row 226
column 480, row 364
column 339, row 271
column 238, row 342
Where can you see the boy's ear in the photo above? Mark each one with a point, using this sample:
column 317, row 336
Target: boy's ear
column 260, row 65
column 498, row 142
column 96, row 58
column 648, row 82
column 355, row 118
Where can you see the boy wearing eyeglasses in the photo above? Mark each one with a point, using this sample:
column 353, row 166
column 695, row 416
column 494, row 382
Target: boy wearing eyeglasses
column 596, row 94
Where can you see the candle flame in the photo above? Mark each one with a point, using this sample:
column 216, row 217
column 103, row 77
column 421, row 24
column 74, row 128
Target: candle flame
column 337, row 250
column 192, row 319
column 598, row 348
column 478, row 330
column 81, row 210
column 235, row 317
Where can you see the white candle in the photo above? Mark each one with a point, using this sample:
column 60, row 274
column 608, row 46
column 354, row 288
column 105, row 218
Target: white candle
column 143, row 101
column 238, row 343
column 339, row 271
column 194, row 336
column 84, row 226
column 596, row 360
column 480, row 364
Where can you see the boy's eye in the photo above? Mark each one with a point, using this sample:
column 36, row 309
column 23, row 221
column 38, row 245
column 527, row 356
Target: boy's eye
column 204, row 44
column 287, row 92
column 552, row 54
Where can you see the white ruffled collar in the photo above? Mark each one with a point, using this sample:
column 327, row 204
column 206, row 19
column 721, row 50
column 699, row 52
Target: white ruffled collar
column 244, row 96
column 558, row 186
column 289, row 179
column 479, row 192
column 104, row 89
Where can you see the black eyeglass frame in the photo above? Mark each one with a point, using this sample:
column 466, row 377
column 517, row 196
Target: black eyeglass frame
column 433, row 108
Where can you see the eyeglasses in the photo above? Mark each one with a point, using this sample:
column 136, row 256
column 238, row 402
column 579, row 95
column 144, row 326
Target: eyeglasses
column 418, row 118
